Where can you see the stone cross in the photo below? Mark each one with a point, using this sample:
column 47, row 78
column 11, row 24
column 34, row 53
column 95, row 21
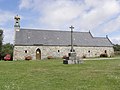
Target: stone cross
column 71, row 27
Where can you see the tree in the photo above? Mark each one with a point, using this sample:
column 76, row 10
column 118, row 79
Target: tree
column 116, row 47
column 7, row 49
column 1, row 39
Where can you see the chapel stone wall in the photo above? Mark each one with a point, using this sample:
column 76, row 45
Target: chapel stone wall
column 59, row 51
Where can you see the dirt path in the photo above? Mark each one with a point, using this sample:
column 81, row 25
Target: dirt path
column 99, row 58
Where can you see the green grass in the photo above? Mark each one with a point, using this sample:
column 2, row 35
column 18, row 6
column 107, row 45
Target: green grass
column 53, row 75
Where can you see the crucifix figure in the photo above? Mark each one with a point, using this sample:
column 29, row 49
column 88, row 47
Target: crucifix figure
column 71, row 27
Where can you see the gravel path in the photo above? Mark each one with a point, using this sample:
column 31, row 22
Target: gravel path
column 99, row 58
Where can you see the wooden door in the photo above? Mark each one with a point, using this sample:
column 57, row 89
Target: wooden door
column 38, row 54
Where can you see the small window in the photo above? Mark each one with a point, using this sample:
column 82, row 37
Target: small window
column 72, row 51
column 89, row 51
column 25, row 51
column 105, row 51
column 58, row 50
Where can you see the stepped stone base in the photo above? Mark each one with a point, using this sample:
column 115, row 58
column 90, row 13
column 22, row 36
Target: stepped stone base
column 72, row 59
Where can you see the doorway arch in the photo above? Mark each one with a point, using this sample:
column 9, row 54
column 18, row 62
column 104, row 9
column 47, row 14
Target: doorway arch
column 38, row 54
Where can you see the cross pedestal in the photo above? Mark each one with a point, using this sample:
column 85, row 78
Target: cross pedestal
column 72, row 59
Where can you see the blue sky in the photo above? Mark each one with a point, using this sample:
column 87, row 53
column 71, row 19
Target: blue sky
column 101, row 17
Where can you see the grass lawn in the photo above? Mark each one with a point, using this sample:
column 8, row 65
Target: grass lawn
column 53, row 75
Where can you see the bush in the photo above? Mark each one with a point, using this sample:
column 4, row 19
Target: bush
column 28, row 58
column 6, row 49
column 49, row 57
column 103, row 55
column 64, row 57
column 84, row 56
column 7, row 57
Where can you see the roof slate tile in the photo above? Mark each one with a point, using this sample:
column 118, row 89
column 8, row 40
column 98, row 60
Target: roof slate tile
column 48, row 37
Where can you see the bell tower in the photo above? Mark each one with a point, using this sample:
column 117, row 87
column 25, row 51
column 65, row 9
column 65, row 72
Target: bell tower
column 17, row 23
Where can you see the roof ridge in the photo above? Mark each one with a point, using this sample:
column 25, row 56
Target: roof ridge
column 51, row 30
column 100, row 37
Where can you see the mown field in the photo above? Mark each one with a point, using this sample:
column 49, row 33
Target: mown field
column 53, row 75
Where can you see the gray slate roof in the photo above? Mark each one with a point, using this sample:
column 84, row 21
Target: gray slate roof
column 50, row 37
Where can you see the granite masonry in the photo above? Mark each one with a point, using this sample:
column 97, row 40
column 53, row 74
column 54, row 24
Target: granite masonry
column 20, row 52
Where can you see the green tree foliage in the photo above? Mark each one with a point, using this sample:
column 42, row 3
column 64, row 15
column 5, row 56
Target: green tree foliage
column 116, row 47
column 1, row 39
column 7, row 49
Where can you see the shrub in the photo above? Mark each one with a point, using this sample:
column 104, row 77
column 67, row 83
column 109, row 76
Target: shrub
column 103, row 55
column 84, row 56
column 49, row 57
column 7, row 57
column 64, row 57
column 28, row 58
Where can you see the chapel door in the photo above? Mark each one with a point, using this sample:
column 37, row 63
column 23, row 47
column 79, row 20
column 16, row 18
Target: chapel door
column 38, row 54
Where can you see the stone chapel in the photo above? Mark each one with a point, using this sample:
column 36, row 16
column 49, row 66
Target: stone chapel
column 40, row 44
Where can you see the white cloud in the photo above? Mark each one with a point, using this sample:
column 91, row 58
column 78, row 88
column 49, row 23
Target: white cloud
column 61, row 13
column 8, row 35
column 115, row 40
column 100, row 16
column 111, row 26
column 111, row 7
column 99, row 13
column 25, row 4
column 88, row 14
column 5, row 17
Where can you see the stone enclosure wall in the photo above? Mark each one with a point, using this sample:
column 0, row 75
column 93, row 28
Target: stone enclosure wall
column 20, row 52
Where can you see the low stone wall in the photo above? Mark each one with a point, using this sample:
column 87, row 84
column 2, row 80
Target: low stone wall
column 20, row 52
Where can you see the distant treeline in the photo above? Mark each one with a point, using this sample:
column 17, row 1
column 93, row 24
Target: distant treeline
column 5, row 48
column 117, row 49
